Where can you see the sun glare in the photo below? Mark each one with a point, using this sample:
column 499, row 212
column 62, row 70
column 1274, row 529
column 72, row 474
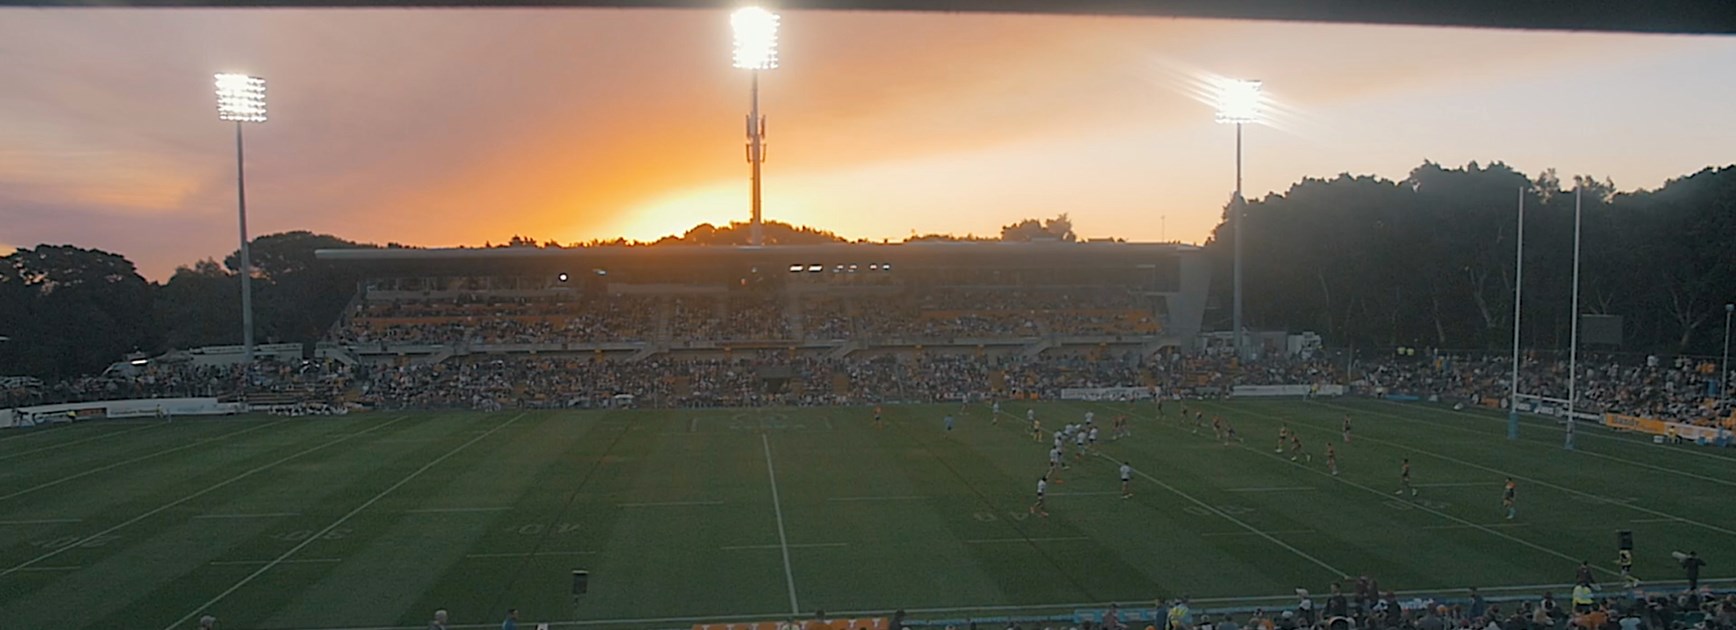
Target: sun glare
column 674, row 214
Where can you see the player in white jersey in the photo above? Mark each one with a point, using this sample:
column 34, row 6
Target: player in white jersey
column 1126, row 480
column 1091, row 436
column 1079, row 446
column 1090, row 418
column 1039, row 508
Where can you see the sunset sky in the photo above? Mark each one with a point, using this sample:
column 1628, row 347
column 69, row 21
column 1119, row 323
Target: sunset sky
column 449, row 127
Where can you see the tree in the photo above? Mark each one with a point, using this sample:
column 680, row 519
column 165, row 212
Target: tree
column 296, row 297
column 72, row 311
column 200, row 306
column 1059, row 228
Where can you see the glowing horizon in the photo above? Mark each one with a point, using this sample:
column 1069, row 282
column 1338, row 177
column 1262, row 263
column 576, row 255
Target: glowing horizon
column 453, row 127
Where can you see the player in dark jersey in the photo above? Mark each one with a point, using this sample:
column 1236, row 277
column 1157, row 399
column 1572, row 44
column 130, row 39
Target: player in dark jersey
column 1510, row 498
column 1404, row 479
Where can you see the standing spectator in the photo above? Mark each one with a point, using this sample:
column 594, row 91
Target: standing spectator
column 1337, row 605
column 1479, row 606
column 1692, row 564
column 439, row 622
column 511, row 622
column 1112, row 619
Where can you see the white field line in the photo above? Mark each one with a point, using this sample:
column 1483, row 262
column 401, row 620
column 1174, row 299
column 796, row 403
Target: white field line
column 999, row 608
column 249, row 563
column 1475, row 526
column 341, row 520
column 669, row 504
column 529, row 554
column 1459, row 484
column 993, row 541
column 1288, row 489
column 104, row 436
column 1104, row 493
column 453, row 510
column 42, row 521
column 62, row 568
column 1220, row 513
column 1663, row 469
column 1540, row 482
column 140, row 458
column 794, row 546
column 1280, row 532
column 1666, row 519
column 208, row 489
column 1382, row 494
column 54, row 429
column 259, row 515
column 911, row 497
column 783, row 540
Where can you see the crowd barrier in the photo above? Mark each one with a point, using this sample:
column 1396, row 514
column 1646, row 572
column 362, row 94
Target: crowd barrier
column 138, row 408
column 1262, row 391
column 1108, row 393
column 1653, row 426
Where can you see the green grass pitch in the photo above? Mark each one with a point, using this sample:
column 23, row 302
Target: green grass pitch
column 375, row 520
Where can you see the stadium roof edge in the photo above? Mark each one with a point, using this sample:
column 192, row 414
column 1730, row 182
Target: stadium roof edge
column 1650, row 16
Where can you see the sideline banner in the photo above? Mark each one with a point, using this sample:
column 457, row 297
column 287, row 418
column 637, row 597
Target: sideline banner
column 1108, row 393
column 1621, row 422
column 1654, row 426
column 1287, row 390
column 139, row 408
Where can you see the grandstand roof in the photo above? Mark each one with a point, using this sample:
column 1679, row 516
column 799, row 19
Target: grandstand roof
column 1678, row 16
column 469, row 261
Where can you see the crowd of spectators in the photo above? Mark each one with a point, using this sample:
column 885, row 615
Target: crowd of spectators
column 554, row 319
column 311, row 380
column 1682, row 389
column 570, row 318
column 1366, row 606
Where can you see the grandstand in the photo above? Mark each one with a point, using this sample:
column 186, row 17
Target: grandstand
column 640, row 303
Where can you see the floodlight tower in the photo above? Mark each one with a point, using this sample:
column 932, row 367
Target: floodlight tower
column 756, row 49
column 241, row 99
column 1238, row 102
column 1518, row 292
column 1573, row 337
column 1723, row 367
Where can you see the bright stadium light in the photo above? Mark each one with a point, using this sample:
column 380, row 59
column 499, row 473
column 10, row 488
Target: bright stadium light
column 756, row 49
column 1238, row 101
column 756, row 38
column 241, row 99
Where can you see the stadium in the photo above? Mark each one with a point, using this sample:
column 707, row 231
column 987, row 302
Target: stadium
column 1417, row 422
column 738, row 435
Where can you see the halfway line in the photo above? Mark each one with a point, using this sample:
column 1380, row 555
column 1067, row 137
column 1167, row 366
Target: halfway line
column 783, row 540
